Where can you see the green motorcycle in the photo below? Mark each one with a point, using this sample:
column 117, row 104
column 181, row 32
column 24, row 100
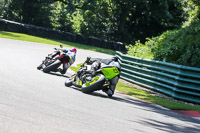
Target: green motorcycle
column 90, row 80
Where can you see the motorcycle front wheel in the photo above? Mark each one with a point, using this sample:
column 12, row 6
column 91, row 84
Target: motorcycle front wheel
column 52, row 67
column 95, row 86
column 68, row 82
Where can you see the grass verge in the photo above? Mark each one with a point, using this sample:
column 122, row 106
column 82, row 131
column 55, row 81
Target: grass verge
column 170, row 104
column 75, row 69
column 24, row 37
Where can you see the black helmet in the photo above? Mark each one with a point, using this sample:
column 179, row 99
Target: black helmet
column 114, row 58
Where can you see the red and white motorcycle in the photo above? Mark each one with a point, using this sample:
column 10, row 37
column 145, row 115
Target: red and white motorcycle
column 54, row 60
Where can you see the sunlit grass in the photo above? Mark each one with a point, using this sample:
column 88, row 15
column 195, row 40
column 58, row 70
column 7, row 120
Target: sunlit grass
column 170, row 104
column 74, row 68
column 24, row 37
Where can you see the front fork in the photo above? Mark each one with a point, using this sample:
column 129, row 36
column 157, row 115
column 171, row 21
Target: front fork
column 76, row 81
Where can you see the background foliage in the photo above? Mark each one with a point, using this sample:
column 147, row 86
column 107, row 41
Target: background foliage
column 118, row 20
column 180, row 46
column 166, row 30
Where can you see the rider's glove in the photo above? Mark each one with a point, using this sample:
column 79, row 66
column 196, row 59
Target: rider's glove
column 88, row 58
column 88, row 61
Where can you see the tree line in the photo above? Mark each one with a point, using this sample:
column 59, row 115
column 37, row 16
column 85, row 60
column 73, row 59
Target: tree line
column 118, row 20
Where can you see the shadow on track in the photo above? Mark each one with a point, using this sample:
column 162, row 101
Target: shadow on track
column 60, row 75
column 57, row 74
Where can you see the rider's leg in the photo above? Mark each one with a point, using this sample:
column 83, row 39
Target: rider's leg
column 65, row 67
column 113, row 84
column 65, row 59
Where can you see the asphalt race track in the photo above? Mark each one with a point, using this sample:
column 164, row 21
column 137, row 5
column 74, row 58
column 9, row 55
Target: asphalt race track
column 34, row 102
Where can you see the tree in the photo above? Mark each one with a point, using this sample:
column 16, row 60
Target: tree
column 118, row 20
column 36, row 12
column 130, row 20
column 195, row 12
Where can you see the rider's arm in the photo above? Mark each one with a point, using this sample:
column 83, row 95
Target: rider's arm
column 65, row 50
column 90, row 60
column 95, row 59
column 57, row 52
column 105, row 61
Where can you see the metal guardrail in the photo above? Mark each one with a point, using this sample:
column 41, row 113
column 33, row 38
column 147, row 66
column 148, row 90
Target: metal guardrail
column 180, row 82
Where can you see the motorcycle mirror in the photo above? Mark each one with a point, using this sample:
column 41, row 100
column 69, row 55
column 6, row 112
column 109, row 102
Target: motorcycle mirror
column 61, row 45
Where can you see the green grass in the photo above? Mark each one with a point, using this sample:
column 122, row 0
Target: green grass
column 170, row 104
column 75, row 69
column 24, row 37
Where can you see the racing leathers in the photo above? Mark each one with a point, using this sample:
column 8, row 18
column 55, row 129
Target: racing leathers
column 72, row 58
column 98, row 63
column 67, row 57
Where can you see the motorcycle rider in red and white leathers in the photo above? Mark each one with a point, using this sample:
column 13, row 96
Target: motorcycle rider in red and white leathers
column 68, row 58
column 72, row 57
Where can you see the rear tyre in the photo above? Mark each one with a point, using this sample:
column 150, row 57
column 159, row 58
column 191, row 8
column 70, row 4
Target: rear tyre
column 68, row 82
column 52, row 67
column 95, row 86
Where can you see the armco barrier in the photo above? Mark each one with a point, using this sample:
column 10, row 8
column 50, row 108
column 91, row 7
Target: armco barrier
column 177, row 81
column 11, row 26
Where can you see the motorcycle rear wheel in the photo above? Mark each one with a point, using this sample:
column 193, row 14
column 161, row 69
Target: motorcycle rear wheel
column 52, row 67
column 95, row 86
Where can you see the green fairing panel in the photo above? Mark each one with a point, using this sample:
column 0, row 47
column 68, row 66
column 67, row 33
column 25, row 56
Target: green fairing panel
column 110, row 72
column 89, row 83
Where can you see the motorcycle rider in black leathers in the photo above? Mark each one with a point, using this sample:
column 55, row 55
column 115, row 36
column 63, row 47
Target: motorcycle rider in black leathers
column 98, row 63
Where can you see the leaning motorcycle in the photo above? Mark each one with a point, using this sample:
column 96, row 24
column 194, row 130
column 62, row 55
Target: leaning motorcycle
column 54, row 60
column 90, row 81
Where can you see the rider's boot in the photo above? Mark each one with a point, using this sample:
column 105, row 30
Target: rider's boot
column 112, row 86
column 109, row 92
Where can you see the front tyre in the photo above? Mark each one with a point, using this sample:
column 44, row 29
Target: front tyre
column 95, row 86
column 52, row 67
column 69, row 82
column 40, row 67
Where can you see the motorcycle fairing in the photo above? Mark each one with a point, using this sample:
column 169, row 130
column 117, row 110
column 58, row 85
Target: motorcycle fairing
column 93, row 81
column 110, row 72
